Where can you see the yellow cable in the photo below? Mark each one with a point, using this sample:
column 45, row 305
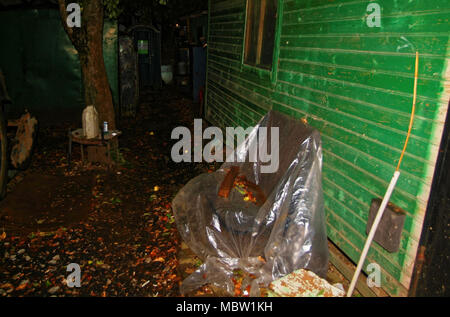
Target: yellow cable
column 412, row 112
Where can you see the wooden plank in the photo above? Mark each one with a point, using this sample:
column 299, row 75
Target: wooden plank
column 429, row 88
column 262, row 14
column 430, row 44
column 233, row 75
column 388, row 63
column 406, row 5
column 381, row 120
column 227, row 18
column 366, row 111
column 228, row 181
column 353, row 10
column 424, row 23
column 394, row 102
column 347, row 269
column 248, row 29
column 339, row 127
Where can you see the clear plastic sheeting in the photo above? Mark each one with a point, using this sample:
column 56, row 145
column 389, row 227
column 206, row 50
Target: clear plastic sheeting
column 270, row 238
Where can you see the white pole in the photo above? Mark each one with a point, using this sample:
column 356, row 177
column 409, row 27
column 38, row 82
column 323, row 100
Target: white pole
column 375, row 224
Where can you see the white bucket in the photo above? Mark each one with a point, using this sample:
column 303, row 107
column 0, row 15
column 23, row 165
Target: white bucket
column 167, row 73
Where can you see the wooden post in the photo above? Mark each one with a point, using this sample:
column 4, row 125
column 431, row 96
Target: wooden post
column 248, row 30
column 262, row 11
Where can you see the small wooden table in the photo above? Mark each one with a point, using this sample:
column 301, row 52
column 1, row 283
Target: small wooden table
column 77, row 136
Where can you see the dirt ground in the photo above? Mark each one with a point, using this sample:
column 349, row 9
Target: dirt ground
column 116, row 224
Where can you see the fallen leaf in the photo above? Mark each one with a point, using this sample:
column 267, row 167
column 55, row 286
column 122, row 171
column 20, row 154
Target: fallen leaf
column 160, row 259
column 21, row 286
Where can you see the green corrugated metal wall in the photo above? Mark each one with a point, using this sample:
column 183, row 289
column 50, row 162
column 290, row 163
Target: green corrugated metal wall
column 354, row 84
column 41, row 65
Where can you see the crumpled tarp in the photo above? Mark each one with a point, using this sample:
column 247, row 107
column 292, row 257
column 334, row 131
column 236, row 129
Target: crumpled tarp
column 287, row 232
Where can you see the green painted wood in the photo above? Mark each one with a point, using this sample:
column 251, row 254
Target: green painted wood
column 396, row 104
column 354, row 84
column 221, row 20
column 351, row 108
column 389, row 44
column 389, row 81
column 431, row 22
column 338, row 235
column 344, row 268
column 352, row 10
column 336, row 128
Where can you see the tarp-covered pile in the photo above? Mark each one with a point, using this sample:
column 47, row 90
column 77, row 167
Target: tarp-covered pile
column 266, row 224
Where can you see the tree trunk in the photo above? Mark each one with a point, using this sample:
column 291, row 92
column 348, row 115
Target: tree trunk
column 95, row 80
column 88, row 41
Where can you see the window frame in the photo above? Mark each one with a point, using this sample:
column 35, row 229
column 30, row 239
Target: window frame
column 270, row 73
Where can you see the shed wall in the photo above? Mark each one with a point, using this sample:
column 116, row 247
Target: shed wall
column 354, row 84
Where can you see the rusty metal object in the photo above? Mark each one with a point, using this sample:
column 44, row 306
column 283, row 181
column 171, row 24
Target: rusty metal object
column 23, row 142
column 389, row 231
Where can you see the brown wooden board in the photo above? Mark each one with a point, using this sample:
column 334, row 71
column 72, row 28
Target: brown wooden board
column 228, row 181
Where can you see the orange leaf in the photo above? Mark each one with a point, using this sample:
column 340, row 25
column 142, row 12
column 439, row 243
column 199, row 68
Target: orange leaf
column 21, row 286
column 160, row 259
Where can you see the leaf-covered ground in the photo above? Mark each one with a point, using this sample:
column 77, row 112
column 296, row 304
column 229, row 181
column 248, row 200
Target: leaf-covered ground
column 116, row 224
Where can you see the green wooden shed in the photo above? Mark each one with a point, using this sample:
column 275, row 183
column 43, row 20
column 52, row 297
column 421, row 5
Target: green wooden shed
column 347, row 68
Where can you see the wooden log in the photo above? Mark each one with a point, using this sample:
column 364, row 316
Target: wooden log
column 24, row 141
